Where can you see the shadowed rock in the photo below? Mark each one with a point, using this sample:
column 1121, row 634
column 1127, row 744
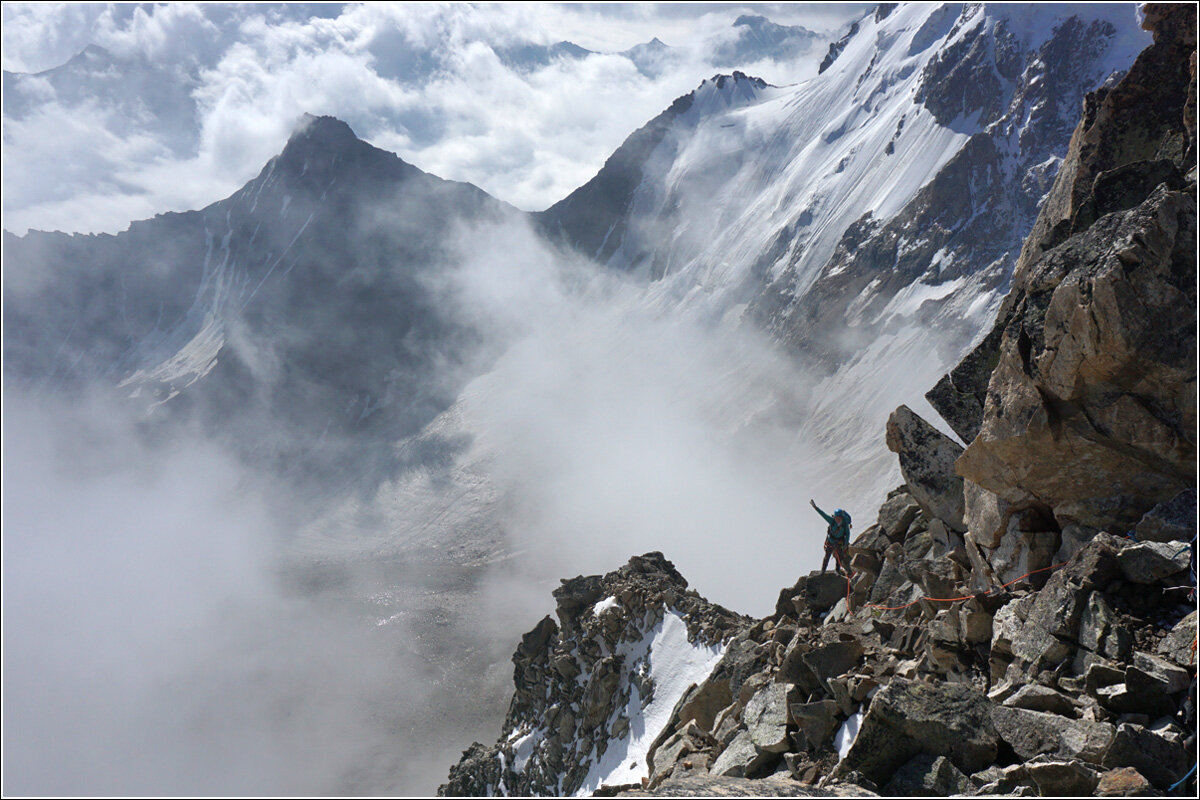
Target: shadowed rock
column 927, row 462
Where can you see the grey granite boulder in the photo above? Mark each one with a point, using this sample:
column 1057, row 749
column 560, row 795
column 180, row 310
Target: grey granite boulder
column 1177, row 645
column 1034, row 733
column 741, row 759
column 766, row 718
column 1150, row 562
column 925, row 775
column 927, row 459
column 1161, row 760
column 910, row 717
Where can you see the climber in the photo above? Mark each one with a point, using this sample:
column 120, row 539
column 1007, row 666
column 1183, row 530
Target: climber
column 837, row 539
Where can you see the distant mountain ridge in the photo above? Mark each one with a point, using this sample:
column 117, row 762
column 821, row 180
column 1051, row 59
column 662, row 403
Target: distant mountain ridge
column 301, row 297
column 830, row 213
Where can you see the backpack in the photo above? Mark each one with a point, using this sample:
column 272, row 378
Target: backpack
column 840, row 532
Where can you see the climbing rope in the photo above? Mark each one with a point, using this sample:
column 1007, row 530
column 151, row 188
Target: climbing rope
column 966, row 597
column 1176, row 784
column 846, row 574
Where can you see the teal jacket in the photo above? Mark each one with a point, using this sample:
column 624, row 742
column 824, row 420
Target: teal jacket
column 839, row 531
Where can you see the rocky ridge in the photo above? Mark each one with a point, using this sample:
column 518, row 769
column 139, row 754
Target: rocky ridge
column 593, row 689
column 1019, row 619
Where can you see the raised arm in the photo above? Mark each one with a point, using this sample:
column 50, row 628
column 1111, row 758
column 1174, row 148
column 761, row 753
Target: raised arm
column 828, row 518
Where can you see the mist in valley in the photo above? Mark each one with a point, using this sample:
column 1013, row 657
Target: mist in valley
column 179, row 619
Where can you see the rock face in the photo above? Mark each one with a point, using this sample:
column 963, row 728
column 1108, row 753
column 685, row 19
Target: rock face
column 594, row 691
column 909, row 718
column 1083, row 396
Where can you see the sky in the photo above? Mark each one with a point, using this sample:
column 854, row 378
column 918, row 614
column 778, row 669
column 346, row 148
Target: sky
column 197, row 97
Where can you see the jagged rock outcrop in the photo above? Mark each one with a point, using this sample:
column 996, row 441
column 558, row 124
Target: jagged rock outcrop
column 1078, row 680
column 927, row 463
column 1083, row 397
column 594, row 690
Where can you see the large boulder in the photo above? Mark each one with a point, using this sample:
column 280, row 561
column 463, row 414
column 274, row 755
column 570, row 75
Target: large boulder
column 766, row 718
column 1177, row 645
column 1170, row 521
column 813, row 594
column 815, row 722
column 1034, row 733
column 702, row 703
column 1101, row 632
column 1062, row 778
column 1035, row 697
column 1124, row 782
column 741, row 759
column 897, row 513
column 1160, row 759
column 924, row 776
column 1151, row 562
column 910, row 717
column 811, row 667
column 927, row 459
column 743, row 658
column 1044, row 640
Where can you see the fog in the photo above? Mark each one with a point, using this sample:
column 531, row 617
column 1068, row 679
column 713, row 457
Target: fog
column 178, row 622
column 155, row 644
column 611, row 424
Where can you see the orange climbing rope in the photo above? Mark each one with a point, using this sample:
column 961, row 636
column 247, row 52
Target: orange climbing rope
column 1192, row 660
column 967, row 597
column 845, row 573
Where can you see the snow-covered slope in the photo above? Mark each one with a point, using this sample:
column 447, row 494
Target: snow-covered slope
column 751, row 182
column 868, row 218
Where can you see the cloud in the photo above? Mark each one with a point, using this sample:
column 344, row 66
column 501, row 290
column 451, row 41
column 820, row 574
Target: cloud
column 428, row 81
column 610, row 426
column 157, row 641
column 38, row 36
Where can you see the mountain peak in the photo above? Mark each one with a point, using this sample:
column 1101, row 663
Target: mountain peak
column 326, row 130
column 721, row 80
column 318, row 143
column 749, row 20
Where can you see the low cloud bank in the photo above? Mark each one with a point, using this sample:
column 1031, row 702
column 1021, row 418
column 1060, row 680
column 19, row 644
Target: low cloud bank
column 611, row 427
column 156, row 644
column 207, row 94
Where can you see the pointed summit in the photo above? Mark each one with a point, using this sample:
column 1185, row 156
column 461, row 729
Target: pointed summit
column 322, row 132
column 321, row 146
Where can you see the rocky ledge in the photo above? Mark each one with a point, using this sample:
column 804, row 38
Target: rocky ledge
column 594, row 690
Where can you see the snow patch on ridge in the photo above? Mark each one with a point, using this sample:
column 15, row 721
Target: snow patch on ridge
column 672, row 664
column 604, row 605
